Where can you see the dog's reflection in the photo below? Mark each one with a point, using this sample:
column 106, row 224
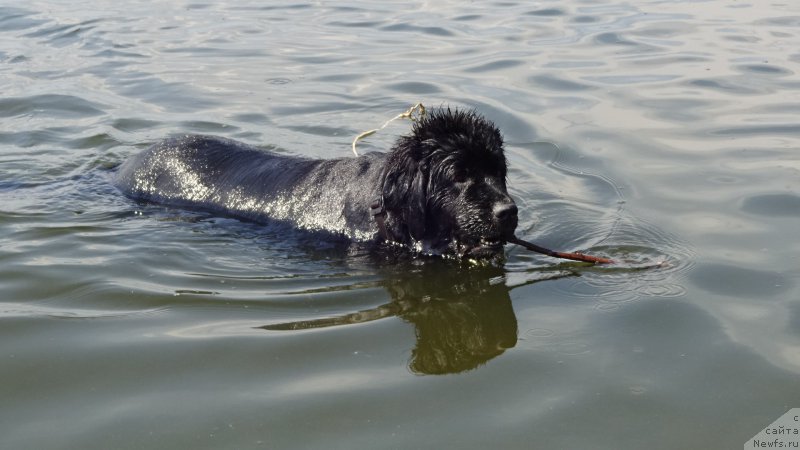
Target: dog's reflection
column 460, row 323
column 463, row 317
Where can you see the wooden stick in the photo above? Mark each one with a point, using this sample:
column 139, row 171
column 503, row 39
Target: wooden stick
column 564, row 255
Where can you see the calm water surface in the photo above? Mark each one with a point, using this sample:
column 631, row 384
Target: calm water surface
column 649, row 130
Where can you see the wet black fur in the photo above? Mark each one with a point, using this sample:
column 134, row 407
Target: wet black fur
column 443, row 185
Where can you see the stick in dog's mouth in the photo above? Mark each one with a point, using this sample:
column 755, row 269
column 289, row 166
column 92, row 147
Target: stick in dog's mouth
column 563, row 255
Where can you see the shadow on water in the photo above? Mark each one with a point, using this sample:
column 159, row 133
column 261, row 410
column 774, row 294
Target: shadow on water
column 463, row 316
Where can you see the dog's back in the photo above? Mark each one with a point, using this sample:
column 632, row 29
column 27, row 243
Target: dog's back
column 225, row 176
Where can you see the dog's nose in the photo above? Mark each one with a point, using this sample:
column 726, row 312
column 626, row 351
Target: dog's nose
column 505, row 211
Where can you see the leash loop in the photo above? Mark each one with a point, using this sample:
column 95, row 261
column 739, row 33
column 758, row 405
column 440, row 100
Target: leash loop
column 419, row 109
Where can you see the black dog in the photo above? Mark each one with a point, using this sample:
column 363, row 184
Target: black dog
column 441, row 189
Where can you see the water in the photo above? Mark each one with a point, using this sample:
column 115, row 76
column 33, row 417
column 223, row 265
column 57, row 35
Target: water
column 649, row 130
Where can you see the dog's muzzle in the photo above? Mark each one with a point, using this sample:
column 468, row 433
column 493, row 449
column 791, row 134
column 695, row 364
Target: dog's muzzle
column 505, row 222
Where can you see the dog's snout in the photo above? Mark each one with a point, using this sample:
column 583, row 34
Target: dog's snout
column 505, row 211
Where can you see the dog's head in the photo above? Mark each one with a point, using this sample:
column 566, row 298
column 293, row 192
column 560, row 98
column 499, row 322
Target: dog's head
column 445, row 185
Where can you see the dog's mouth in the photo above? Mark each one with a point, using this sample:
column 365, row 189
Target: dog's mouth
column 484, row 248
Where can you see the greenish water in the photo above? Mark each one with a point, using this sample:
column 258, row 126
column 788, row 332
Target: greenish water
column 655, row 129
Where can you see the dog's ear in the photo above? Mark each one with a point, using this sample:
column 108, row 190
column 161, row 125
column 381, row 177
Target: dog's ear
column 405, row 193
column 417, row 204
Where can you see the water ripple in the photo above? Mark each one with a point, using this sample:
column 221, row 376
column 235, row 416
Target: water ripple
column 50, row 105
column 646, row 131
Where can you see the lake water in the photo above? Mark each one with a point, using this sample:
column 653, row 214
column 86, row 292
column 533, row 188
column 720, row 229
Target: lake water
column 650, row 130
